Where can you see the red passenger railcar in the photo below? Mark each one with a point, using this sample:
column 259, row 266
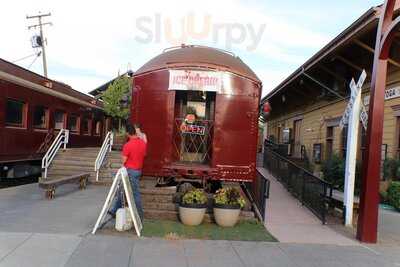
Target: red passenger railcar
column 32, row 107
column 199, row 107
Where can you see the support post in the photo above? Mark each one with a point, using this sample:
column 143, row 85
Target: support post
column 367, row 230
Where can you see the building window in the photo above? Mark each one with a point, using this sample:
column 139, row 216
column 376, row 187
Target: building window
column 363, row 142
column 97, row 130
column 344, row 141
column 329, row 142
column 86, row 126
column 59, row 120
column 73, row 123
column 40, row 117
column 15, row 113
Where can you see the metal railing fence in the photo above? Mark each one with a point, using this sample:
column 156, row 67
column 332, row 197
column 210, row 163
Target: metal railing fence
column 313, row 192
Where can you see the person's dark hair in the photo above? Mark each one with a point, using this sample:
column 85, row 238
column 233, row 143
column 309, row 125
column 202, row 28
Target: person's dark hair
column 130, row 129
column 137, row 125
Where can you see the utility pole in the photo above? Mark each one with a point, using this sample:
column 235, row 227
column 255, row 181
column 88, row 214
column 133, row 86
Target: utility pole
column 43, row 45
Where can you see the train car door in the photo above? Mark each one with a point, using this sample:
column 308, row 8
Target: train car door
column 194, row 124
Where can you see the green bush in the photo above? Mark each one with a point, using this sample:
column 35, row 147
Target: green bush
column 393, row 195
column 333, row 170
column 391, row 169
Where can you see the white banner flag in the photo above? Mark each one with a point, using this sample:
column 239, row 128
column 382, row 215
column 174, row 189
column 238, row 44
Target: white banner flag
column 210, row 81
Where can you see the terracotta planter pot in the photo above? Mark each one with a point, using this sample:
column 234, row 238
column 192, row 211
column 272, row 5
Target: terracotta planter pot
column 226, row 215
column 192, row 214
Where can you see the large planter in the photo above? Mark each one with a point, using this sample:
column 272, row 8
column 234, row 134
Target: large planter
column 192, row 214
column 226, row 215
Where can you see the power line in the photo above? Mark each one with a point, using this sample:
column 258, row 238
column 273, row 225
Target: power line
column 37, row 56
column 43, row 43
column 34, row 54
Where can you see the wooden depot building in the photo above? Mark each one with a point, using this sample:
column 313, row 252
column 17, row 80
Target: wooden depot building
column 306, row 108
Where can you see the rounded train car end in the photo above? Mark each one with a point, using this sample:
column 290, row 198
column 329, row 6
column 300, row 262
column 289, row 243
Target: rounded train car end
column 199, row 107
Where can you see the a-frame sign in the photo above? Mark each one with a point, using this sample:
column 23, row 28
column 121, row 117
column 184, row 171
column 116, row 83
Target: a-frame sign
column 120, row 179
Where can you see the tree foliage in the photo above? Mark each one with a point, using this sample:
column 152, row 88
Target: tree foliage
column 117, row 98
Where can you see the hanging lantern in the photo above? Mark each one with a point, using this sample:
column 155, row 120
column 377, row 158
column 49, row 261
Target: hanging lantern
column 266, row 108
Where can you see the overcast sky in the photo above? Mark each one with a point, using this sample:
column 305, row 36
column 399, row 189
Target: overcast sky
column 90, row 42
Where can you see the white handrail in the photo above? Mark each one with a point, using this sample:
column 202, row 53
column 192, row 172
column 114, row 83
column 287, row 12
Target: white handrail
column 106, row 147
column 61, row 139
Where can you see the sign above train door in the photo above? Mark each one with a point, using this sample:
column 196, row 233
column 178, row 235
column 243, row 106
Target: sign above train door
column 188, row 80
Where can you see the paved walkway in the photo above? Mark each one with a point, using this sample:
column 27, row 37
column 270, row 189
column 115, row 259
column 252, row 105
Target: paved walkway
column 291, row 222
column 28, row 249
column 38, row 232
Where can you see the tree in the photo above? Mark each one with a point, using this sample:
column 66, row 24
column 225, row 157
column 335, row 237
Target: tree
column 117, row 98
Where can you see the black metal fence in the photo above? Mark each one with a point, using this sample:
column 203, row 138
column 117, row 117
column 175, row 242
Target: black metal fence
column 312, row 191
column 259, row 190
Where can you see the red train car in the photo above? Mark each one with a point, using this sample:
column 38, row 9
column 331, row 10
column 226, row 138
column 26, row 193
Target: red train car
column 199, row 108
column 32, row 107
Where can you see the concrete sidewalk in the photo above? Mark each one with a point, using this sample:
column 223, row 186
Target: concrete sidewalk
column 27, row 249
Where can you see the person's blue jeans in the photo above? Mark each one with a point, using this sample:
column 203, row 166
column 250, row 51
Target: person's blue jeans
column 134, row 176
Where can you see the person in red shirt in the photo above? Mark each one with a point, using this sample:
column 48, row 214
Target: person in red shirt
column 133, row 153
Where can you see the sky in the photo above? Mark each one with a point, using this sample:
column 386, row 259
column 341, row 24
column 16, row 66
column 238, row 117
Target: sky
column 90, row 42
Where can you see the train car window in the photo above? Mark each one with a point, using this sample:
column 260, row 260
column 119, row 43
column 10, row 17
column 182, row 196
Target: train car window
column 97, row 130
column 73, row 123
column 59, row 119
column 86, row 126
column 15, row 113
column 40, row 117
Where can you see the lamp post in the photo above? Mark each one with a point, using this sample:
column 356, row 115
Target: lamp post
column 367, row 229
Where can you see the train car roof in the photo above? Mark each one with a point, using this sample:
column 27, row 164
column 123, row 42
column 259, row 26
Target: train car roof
column 33, row 80
column 198, row 56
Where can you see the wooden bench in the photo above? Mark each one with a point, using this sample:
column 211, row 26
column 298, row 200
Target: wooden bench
column 51, row 184
column 337, row 201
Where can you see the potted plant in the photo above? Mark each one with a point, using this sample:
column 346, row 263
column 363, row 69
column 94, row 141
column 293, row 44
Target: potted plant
column 227, row 205
column 192, row 207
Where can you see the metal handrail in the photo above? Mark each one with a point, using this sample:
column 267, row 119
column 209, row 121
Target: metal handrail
column 313, row 192
column 106, row 147
column 61, row 139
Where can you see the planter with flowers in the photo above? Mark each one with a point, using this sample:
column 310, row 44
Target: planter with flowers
column 192, row 207
column 227, row 205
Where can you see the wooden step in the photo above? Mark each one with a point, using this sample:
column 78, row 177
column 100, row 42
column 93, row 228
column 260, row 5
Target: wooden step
column 160, row 215
column 59, row 167
column 159, row 206
column 69, row 162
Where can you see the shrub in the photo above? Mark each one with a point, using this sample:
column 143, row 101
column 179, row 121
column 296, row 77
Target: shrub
column 229, row 196
column 393, row 195
column 196, row 196
column 334, row 172
column 391, row 169
column 383, row 197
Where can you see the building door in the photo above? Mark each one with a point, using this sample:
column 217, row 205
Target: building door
column 297, row 141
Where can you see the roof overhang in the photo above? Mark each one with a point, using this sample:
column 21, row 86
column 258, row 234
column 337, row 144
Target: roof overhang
column 371, row 16
column 42, row 89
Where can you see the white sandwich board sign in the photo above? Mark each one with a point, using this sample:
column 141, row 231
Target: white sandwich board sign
column 120, row 179
column 355, row 112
